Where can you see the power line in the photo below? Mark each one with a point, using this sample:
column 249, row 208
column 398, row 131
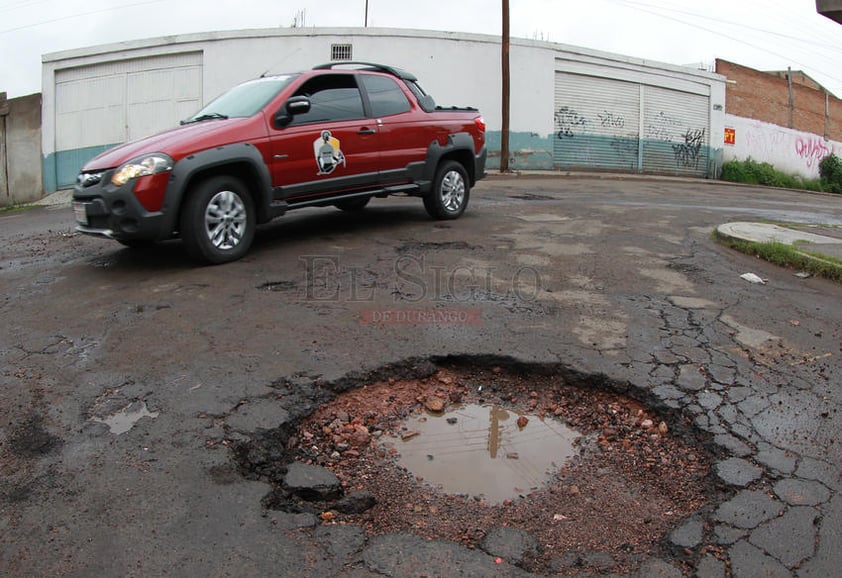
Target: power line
column 645, row 8
column 632, row 3
column 80, row 15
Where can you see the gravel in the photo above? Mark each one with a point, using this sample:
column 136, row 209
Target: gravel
column 632, row 482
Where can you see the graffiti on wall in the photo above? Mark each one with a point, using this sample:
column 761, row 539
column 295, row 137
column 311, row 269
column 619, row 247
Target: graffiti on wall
column 617, row 143
column 688, row 153
column 662, row 127
column 812, row 150
column 569, row 122
column 611, row 120
column 762, row 143
column 626, row 147
column 790, row 151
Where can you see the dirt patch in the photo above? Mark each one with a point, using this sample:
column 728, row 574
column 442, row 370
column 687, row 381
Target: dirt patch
column 31, row 440
column 631, row 482
column 424, row 247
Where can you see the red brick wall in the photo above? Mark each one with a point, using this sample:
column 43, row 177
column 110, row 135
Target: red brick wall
column 763, row 96
column 798, row 77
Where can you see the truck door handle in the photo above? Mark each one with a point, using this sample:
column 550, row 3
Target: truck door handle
column 366, row 130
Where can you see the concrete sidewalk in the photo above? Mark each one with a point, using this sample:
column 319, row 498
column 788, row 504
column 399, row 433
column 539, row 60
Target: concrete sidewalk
column 829, row 243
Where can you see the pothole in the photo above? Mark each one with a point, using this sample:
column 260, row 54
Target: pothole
column 485, row 451
column 125, row 419
column 603, row 478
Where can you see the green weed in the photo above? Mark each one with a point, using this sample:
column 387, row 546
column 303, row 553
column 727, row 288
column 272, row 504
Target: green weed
column 755, row 173
column 789, row 256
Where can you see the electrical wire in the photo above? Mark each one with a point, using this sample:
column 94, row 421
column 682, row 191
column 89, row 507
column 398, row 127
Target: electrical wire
column 80, row 15
column 650, row 9
column 811, row 42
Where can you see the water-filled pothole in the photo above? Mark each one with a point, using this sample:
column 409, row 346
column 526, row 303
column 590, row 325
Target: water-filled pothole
column 630, row 482
column 125, row 419
column 485, row 451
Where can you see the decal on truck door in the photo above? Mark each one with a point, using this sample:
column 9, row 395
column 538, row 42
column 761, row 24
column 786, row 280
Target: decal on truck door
column 328, row 154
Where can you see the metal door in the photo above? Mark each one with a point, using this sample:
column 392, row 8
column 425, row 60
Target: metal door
column 597, row 123
column 676, row 132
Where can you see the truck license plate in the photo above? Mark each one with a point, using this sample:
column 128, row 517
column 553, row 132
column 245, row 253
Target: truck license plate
column 81, row 213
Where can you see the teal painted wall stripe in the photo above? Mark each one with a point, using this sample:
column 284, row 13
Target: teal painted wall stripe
column 48, row 173
column 530, row 151
column 61, row 168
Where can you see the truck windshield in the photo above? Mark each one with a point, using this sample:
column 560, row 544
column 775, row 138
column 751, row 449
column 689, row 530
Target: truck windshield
column 243, row 100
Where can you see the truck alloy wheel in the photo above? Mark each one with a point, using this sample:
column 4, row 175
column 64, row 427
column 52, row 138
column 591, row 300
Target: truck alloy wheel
column 225, row 220
column 449, row 197
column 218, row 220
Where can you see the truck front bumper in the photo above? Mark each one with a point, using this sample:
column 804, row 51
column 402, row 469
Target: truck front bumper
column 105, row 210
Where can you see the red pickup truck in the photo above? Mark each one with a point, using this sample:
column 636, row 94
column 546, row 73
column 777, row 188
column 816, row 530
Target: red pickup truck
column 330, row 136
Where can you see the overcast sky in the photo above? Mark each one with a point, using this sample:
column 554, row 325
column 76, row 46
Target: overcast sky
column 762, row 34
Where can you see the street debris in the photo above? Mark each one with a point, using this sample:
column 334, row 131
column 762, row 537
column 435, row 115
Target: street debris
column 752, row 278
column 810, row 359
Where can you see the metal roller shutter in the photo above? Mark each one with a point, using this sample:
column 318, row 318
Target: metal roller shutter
column 597, row 123
column 676, row 132
column 119, row 101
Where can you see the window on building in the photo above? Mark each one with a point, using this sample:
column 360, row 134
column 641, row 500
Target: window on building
column 341, row 52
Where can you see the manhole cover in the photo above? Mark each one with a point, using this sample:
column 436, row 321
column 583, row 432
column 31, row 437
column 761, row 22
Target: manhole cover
column 629, row 482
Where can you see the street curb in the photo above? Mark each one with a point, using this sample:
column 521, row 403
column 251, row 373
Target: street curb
column 720, row 235
column 549, row 174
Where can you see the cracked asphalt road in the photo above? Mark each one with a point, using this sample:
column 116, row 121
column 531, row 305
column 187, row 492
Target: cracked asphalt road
column 598, row 276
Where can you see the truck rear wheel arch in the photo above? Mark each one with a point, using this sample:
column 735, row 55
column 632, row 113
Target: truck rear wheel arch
column 459, row 148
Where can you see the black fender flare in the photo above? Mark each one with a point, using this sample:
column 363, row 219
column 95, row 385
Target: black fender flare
column 461, row 143
column 249, row 167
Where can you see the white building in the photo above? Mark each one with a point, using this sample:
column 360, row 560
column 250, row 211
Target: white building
column 571, row 108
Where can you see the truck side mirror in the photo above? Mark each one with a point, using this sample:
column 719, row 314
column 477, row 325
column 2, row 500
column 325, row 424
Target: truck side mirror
column 295, row 105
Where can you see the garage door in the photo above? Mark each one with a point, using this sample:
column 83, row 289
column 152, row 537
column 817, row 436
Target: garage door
column 597, row 122
column 677, row 139
column 105, row 104
column 621, row 125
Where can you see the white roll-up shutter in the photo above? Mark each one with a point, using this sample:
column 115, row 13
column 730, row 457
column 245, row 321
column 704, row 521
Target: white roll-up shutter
column 676, row 137
column 114, row 102
column 597, row 123
column 90, row 109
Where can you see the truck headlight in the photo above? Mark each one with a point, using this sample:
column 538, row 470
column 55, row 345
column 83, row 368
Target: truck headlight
column 141, row 167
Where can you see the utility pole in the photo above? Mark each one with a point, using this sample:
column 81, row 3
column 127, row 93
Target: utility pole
column 366, row 13
column 504, row 137
column 791, row 95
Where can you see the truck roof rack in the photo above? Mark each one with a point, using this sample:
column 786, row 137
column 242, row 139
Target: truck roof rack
column 403, row 74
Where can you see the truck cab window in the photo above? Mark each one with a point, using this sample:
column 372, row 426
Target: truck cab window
column 385, row 96
column 333, row 97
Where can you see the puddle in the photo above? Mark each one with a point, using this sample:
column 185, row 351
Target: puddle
column 484, row 450
column 126, row 418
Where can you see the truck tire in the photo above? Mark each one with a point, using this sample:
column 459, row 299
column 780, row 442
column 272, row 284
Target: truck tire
column 449, row 197
column 218, row 220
